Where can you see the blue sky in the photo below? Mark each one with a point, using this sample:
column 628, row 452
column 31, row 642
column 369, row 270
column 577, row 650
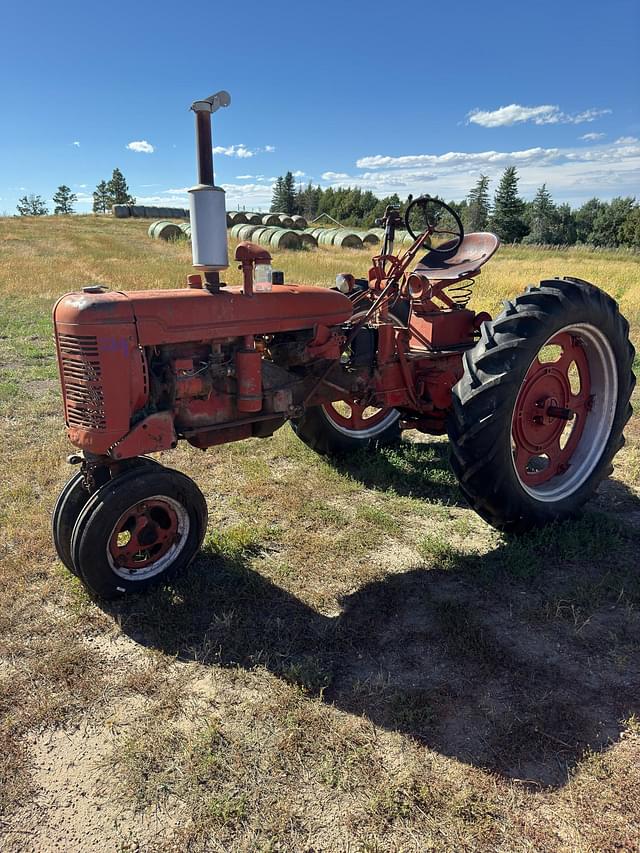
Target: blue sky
column 415, row 98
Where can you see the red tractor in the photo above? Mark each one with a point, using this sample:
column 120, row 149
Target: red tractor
column 534, row 401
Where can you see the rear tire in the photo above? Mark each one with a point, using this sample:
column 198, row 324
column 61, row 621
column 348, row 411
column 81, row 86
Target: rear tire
column 332, row 432
column 137, row 531
column 512, row 412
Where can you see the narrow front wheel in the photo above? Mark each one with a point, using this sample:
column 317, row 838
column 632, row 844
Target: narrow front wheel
column 138, row 530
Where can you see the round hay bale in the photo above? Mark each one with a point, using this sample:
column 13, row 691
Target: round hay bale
column 151, row 230
column 307, row 239
column 254, row 218
column 166, row 231
column 236, row 228
column 285, row 220
column 285, row 239
column 264, row 238
column 299, row 222
column 257, row 234
column 185, row 227
column 371, row 239
column 325, row 238
column 346, row 240
column 271, row 219
column 121, row 211
column 246, row 231
column 240, row 218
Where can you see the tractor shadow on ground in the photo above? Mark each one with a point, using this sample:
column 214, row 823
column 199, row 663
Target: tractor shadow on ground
column 519, row 661
column 417, row 469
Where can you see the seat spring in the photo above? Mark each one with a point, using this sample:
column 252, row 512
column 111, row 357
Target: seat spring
column 461, row 292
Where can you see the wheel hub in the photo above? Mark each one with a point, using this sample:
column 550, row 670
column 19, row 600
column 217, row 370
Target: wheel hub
column 549, row 416
column 144, row 534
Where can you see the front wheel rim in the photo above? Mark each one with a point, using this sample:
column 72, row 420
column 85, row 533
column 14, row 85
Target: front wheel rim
column 147, row 538
column 564, row 413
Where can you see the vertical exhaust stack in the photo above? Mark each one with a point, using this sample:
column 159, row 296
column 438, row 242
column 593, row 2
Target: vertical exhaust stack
column 206, row 201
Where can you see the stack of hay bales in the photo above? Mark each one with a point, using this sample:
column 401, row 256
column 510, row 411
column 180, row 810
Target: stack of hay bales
column 139, row 211
column 284, row 220
column 273, row 236
column 344, row 238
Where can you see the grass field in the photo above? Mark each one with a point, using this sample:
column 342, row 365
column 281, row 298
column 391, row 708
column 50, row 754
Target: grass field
column 354, row 662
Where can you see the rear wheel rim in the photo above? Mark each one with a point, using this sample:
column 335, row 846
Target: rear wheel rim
column 353, row 420
column 147, row 538
column 564, row 412
column 357, row 421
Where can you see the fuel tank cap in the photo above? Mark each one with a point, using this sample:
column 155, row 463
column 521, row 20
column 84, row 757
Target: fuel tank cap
column 95, row 288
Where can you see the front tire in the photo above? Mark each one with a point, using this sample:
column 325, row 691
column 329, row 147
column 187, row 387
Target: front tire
column 137, row 531
column 71, row 500
column 539, row 413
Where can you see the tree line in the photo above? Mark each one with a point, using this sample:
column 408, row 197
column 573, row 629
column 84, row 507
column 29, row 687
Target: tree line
column 107, row 193
column 514, row 220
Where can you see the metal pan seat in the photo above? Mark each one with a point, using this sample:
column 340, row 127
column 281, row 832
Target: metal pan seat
column 464, row 262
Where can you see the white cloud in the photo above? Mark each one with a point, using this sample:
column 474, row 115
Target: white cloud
column 592, row 137
column 299, row 174
column 241, row 150
column 544, row 114
column 76, row 144
column 245, row 177
column 572, row 174
column 451, row 159
column 337, row 176
column 627, row 140
column 233, row 151
column 141, row 147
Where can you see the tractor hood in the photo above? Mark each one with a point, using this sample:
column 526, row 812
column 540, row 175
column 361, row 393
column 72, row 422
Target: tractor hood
column 172, row 316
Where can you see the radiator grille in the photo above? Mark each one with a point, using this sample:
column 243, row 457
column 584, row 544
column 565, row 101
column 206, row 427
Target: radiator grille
column 82, row 377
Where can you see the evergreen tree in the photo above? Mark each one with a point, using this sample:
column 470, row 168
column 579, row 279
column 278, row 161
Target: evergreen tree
column 31, row 205
column 277, row 198
column 64, row 200
column 288, row 194
column 117, row 189
column 543, row 219
column 508, row 209
column 284, row 198
column 101, row 199
column 478, row 206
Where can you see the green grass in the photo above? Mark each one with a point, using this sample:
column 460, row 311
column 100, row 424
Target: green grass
column 354, row 660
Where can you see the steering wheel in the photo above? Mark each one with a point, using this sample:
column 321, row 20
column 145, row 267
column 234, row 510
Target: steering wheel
column 441, row 221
